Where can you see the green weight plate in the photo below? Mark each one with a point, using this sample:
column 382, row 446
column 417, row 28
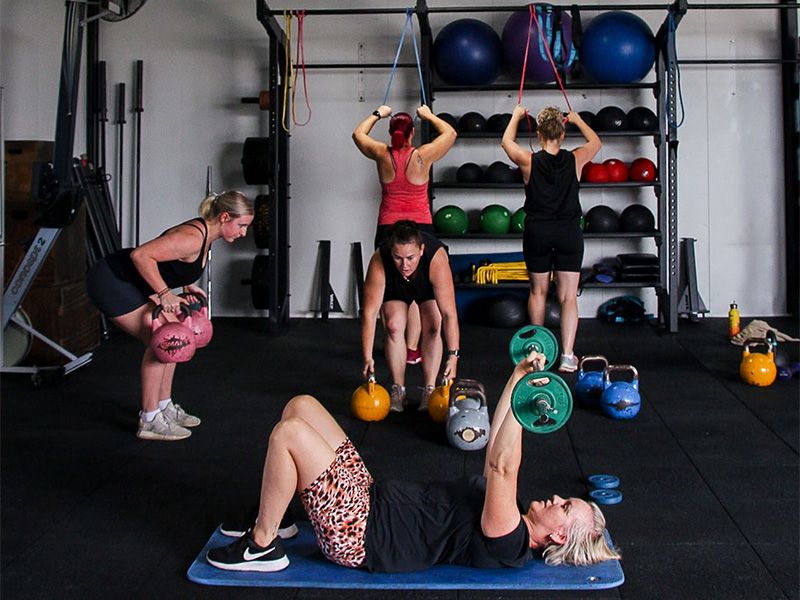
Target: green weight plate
column 541, row 402
column 533, row 337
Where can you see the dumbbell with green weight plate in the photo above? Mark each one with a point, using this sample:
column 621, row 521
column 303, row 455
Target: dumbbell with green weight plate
column 533, row 338
column 541, row 402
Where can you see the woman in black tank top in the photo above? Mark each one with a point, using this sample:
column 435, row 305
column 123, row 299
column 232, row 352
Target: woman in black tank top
column 126, row 287
column 553, row 240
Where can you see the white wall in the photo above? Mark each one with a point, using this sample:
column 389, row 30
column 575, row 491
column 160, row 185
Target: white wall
column 200, row 58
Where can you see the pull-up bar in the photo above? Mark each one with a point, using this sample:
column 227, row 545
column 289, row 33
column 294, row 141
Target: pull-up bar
column 587, row 7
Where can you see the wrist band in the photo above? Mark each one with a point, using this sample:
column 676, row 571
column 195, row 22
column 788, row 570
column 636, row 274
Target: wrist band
column 453, row 353
column 377, row 113
column 162, row 293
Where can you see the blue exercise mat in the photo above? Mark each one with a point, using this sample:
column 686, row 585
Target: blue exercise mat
column 309, row 569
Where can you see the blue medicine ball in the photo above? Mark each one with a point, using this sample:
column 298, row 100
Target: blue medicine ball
column 468, row 52
column 618, row 47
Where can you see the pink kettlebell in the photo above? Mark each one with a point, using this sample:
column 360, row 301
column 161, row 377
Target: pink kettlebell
column 171, row 341
column 201, row 324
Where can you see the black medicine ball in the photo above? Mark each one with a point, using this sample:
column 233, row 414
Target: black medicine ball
column 469, row 173
column 507, row 310
column 472, row 122
column 500, row 172
column 497, row 123
column 642, row 118
column 449, row 119
column 601, row 219
column 588, row 118
column 611, row 118
column 637, row 218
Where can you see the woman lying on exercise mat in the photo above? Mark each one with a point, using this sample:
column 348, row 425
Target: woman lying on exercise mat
column 393, row 525
column 403, row 172
column 127, row 285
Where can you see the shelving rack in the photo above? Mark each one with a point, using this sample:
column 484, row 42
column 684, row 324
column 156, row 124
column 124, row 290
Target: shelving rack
column 665, row 90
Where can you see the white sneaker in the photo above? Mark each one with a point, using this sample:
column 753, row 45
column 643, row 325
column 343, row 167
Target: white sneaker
column 569, row 363
column 162, row 429
column 426, row 394
column 177, row 415
column 398, row 398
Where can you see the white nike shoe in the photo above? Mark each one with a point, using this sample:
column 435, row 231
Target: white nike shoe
column 245, row 555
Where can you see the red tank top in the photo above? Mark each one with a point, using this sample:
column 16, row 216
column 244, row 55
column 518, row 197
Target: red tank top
column 401, row 199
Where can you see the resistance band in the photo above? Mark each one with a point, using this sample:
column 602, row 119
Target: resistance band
column 406, row 27
column 522, row 80
column 300, row 55
column 287, row 71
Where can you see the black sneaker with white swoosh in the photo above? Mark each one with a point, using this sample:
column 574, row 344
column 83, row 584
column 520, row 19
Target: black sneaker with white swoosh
column 245, row 555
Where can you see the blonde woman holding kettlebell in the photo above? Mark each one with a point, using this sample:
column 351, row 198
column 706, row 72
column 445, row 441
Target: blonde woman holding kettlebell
column 126, row 286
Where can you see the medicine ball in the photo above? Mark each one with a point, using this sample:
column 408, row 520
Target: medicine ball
column 642, row 169
column 469, row 173
column 527, row 124
column 617, row 170
column 507, row 310
column 642, row 118
column 552, row 312
column 500, row 172
column 595, row 173
column 472, row 122
column 518, row 221
column 495, row 219
column 617, row 47
column 588, row 118
column 498, row 122
column 519, row 34
column 602, row 219
column 449, row 119
column 451, row 220
column 611, row 118
column 468, row 52
column 637, row 218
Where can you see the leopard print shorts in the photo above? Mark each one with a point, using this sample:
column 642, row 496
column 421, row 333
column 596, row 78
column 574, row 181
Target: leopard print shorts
column 337, row 503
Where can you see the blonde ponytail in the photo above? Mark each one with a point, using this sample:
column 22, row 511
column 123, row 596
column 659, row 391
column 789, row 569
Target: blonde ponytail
column 234, row 202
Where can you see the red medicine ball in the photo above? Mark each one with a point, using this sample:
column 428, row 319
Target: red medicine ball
column 642, row 169
column 595, row 173
column 617, row 170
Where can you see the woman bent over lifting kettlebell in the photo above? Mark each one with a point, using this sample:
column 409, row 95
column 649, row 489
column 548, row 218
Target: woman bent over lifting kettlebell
column 126, row 286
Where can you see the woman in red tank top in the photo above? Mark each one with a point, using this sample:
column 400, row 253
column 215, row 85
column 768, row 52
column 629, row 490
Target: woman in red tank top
column 403, row 172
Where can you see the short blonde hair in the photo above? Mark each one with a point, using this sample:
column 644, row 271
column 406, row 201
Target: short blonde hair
column 550, row 123
column 585, row 544
column 234, row 202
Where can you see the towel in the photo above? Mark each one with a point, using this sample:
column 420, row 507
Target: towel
column 758, row 330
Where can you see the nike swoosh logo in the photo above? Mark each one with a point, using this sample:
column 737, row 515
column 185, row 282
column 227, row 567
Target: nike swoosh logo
column 253, row 556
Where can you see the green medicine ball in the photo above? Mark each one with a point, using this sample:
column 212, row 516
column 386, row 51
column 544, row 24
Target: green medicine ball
column 518, row 221
column 450, row 220
column 495, row 219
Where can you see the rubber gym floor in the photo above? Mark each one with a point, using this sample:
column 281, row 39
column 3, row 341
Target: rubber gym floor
column 708, row 469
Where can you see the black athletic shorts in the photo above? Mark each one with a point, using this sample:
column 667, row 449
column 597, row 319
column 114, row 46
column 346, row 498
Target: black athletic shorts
column 553, row 245
column 383, row 231
column 112, row 295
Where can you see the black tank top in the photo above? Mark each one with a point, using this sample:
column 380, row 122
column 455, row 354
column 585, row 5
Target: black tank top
column 175, row 273
column 552, row 191
column 418, row 286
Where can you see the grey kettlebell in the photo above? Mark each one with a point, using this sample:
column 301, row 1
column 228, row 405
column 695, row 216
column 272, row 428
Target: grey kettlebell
column 468, row 415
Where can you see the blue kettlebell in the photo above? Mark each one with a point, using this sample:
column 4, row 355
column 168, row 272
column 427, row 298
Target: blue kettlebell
column 620, row 399
column 589, row 386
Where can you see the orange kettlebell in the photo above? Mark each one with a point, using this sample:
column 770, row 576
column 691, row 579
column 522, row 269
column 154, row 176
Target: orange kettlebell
column 439, row 401
column 370, row 401
column 758, row 368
